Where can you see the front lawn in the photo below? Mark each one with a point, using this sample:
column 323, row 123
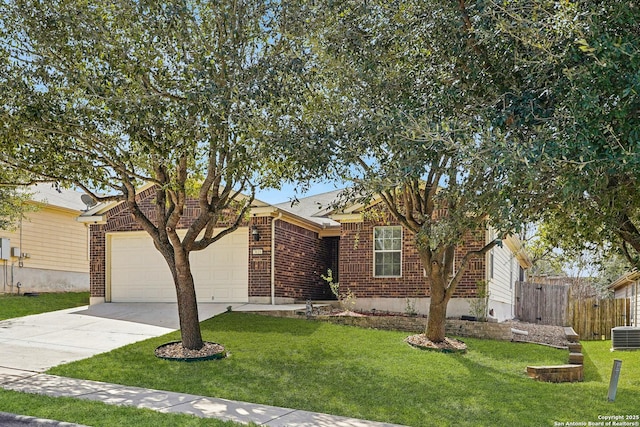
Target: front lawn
column 13, row 305
column 374, row 375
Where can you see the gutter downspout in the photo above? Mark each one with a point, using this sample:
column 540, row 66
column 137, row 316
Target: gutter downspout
column 273, row 258
column 636, row 309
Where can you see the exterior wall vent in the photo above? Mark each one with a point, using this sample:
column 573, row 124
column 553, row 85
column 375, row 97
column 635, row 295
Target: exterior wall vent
column 625, row 338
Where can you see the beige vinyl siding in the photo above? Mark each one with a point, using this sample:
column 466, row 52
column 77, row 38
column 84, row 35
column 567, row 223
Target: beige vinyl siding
column 635, row 305
column 53, row 239
column 622, row 292
column 505, row 273
column 631, row 291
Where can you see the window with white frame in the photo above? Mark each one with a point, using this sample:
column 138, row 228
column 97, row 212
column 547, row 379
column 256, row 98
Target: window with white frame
column 387, row 251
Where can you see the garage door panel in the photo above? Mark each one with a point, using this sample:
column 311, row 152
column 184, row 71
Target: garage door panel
column 141, row 294
column 139, row 272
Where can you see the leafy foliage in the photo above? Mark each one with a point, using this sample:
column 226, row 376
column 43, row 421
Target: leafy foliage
column 346, row 298
column 479, row 306
column 10, row 207
column 112, row 96
column 13, row 197
column 456, row 114
column 425, row 104
column 586, row 155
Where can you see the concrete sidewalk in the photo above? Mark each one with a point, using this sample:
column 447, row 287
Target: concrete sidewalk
column 170, row 402
column 30, row 345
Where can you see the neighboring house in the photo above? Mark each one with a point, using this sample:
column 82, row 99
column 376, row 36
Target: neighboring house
column 280, row 253
column 628, row 286
column 48, row 249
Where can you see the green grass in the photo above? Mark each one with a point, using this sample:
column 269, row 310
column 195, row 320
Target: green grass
column 374, row 375
column 12, row 305
column 96, row 414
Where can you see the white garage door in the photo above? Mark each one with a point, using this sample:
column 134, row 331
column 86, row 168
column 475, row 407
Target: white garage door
column 138, row 273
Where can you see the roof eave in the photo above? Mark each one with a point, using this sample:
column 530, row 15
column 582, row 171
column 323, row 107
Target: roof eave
column 347, row 217
column 518, row 250
column 625, row 279
column 92, row 219
column 44, row 205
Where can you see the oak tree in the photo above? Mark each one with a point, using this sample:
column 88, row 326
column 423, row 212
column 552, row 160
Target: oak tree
column 426, row 103
column 109, row 96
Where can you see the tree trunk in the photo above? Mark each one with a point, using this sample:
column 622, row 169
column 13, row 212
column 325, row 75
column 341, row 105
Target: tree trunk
column 187, row 305
column 436, row 321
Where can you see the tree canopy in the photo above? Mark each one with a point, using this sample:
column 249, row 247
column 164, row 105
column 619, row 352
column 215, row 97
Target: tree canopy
column 458, row 115
column 10, row 207
column 13, row 197
column 593, row 137
column 506, row 112
column 109, row 96
column 427, row 104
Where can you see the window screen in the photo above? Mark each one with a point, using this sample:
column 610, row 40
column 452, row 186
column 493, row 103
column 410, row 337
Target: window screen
column 387, row 251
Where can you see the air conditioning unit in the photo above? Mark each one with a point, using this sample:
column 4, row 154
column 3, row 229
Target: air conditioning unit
column 625, row 338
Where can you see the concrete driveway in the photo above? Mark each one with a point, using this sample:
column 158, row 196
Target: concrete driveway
column 39, row 342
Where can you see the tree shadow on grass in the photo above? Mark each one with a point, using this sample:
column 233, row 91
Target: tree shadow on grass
column 256, row 323
column 591, row 372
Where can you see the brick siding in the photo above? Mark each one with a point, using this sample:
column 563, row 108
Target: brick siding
column 301, row 258
column 356, row 264
column 260, row 263
column 301, row 255
column 97, row 260
column 119, row 218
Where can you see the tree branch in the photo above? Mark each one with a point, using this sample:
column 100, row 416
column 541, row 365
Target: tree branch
column 464, row 263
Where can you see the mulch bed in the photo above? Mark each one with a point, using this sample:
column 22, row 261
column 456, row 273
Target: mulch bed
column 175, row 351
column 552, row 336
column 449, row 345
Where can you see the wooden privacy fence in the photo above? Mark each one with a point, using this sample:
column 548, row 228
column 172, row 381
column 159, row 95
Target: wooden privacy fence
column 591, row 318
column 544, row 304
